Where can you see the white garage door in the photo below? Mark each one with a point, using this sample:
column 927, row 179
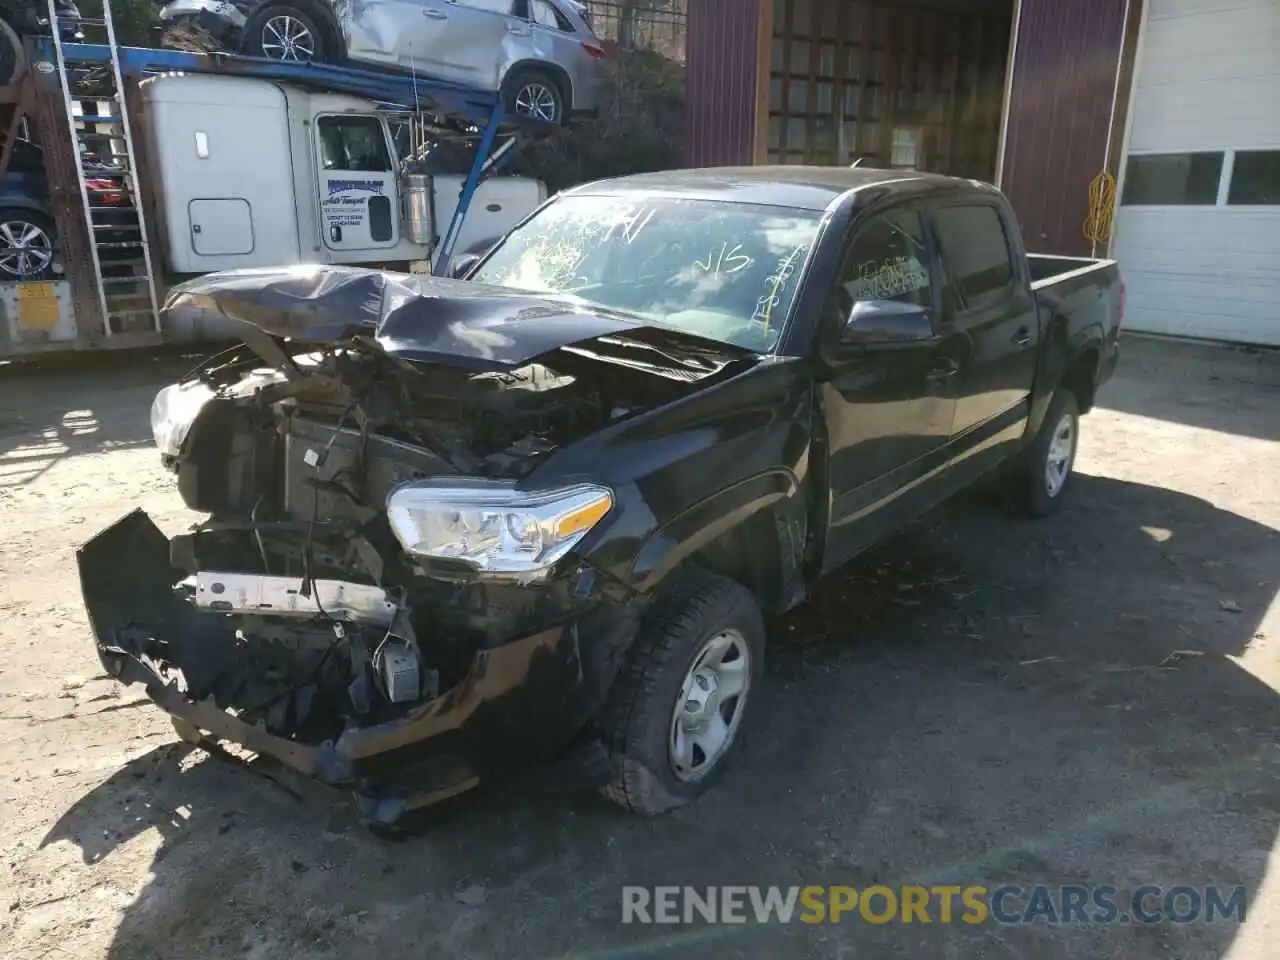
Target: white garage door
column 1197, row 232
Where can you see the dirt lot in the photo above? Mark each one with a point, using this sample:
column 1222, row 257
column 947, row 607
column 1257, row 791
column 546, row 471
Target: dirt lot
column 1091, row 700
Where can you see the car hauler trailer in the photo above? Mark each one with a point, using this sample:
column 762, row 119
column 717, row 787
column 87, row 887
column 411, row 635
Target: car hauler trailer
column 138, row 145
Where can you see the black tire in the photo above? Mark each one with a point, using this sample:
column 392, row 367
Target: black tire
column 1028, row 486
column 639, row 717
column 12, row 222
column 13, row 56
column 535, row 94
column 265, row 34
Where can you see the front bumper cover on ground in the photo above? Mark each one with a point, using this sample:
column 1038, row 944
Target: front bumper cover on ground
column 530, row 685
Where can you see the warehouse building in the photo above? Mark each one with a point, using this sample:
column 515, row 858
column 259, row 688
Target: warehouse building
column 1177, row 100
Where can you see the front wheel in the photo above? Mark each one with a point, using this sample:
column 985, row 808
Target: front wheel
column 1038, row 479
column 26, row 245
column 676, row 712
column 285, row 33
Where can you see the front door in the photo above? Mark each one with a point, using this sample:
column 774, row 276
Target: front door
column 358, row 208
column 887, row 407
column 987, row 298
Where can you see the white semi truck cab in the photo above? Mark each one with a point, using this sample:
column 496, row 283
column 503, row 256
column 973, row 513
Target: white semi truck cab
column 249, row 172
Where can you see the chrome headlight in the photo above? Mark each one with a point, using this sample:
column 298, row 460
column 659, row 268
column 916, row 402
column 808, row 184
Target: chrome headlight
column 174, row 410
column 490, row 525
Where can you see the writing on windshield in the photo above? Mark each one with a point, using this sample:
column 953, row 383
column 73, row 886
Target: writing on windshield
column 726, row 271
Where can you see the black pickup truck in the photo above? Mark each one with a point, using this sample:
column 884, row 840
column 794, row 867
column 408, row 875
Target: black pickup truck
column 542, row 512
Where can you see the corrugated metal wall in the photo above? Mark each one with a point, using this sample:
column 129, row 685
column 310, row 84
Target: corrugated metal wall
column 1064, row 74
column 723, row 66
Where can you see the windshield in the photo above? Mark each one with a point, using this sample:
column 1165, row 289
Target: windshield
column 725, row 271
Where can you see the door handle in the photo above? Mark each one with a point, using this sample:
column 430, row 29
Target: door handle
column 431, row 14
column 942, row 370
column 519, row 29
column 1022, row 338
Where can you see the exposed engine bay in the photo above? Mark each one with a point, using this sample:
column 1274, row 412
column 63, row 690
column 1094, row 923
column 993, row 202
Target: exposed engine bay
column 323, row 612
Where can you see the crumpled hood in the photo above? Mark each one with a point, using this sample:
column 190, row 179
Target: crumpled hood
column 416, row 317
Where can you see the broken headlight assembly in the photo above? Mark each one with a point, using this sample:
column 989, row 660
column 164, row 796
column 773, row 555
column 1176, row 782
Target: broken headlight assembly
column 492, row 526
column 173, row 411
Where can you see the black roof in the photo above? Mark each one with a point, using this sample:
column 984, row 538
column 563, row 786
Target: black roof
column 811, row 188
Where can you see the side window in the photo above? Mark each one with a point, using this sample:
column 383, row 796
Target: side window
column 976, row 252
column 353, row 143
column 545, row 15
column 887, row 261
column 504, row 7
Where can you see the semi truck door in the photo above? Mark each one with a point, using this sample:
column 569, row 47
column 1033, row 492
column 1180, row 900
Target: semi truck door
column 359, row 208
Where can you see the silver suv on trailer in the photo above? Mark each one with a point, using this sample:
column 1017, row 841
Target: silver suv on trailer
column 542, row 55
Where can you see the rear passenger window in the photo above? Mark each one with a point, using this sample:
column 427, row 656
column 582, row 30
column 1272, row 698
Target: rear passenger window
column 976, row 251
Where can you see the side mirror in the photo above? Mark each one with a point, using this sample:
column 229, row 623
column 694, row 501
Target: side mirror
column 888, row 323
column 462, row 265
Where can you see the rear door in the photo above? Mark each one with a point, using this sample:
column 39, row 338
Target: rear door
column 987, row 303
column 357, row 183
column 887, row 408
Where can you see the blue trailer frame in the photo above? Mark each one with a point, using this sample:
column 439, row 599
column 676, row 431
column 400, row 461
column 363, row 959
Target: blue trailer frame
column 466, row 106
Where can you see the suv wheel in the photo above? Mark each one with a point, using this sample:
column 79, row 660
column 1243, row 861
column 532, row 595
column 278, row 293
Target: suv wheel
column 535, row 95
column 284, row 33
column 1039, row 478
column 26, row 245
column 676, row 712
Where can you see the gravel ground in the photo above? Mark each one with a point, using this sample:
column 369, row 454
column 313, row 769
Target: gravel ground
column 1087, row 700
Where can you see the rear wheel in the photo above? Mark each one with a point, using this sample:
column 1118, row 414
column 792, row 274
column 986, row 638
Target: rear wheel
column 26, row 245
column 1038, row 479
column 286, row 33
column 676, row 712
column 535, row 95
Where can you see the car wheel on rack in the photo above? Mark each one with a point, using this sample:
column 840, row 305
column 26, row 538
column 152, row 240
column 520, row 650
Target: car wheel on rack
column 535, row 95
column 26, row 245
column 283, row 32
column 676, row 711
column 13, row 56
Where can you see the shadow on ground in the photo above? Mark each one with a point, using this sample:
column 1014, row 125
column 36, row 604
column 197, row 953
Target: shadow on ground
column 46, row 416
column 1183, row 383
column 980, row 701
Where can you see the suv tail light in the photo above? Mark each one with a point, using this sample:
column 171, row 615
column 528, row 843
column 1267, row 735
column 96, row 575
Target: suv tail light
column 594, row 51
column 1120, row 319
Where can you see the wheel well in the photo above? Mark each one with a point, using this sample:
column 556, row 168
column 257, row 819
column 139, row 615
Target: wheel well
column 750, row 555
column 1081, row 378
column 556, row 73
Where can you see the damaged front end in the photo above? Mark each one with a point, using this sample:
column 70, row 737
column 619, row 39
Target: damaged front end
column 385, row 594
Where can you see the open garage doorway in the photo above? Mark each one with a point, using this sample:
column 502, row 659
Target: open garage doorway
column 905, row 83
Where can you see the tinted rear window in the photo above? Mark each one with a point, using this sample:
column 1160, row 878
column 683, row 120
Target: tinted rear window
column 976, row 251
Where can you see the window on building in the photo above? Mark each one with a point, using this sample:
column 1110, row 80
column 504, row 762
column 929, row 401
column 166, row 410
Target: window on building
column 1255, row 178
column 887, row 261
column 353, row 143
column 976, row 250
column 1174, row 179
column 905, row 150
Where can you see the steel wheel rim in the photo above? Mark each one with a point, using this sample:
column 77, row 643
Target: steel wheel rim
column 709, row 709
column 285, row 37
column 1062, row 451
column 538, row 101
column 25, row 249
